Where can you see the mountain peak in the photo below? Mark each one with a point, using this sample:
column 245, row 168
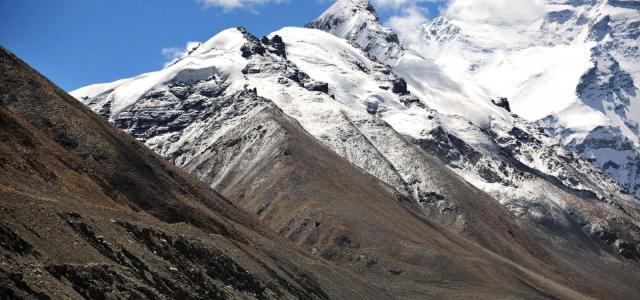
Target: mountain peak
column 357, row 22
column 347, row 10
column 360, row 5
column 366, row 4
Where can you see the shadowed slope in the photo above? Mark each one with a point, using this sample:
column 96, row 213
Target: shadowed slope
column 87, row 211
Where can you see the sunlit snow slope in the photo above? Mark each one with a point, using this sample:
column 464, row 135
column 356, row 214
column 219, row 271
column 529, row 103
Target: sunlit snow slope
column 571, row 66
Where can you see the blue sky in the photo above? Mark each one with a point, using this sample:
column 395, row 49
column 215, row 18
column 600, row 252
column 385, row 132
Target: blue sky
column 79, row 42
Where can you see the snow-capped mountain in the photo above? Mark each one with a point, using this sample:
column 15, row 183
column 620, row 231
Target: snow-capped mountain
column 387, row 112
column 573, row 68
column 358, row 22
column 496, row 151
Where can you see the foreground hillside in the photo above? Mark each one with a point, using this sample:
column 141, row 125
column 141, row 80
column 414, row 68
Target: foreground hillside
column 88, row 212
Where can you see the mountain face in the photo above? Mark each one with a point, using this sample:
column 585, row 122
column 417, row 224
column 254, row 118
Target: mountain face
column 367, row 153
column 140, row 228
column 573, row 70
column 499, row 152
column 358, row 22
column 87, row 212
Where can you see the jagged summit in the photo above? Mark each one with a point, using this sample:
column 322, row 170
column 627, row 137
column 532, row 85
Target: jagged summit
column 357, row 22
column 353, row 6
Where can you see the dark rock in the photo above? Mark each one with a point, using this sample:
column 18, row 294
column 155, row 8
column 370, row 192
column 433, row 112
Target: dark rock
column 626, row 253
column 467, row 151
column 344, row 241
column 439, row 145
column 99, row 282
column 409, row 100
column 297, row 76
column 502, row 102
column 274, row 45
column 627, row 250
column 278, row 46
column 489, row 174
column 10, row 241
column 249, row 49
column 395, row 271
column 316, row 86
column 400, row 86
column 608, row 237
column 211, row 90
column 251, row 69
column 392, row 38
column 12, row 285
column 277, row 39
column 429, row 197
column 372, row 108
column 188, row 254
column 181, row 92
column 600, row 29
column 252, row 46
column 523, row 136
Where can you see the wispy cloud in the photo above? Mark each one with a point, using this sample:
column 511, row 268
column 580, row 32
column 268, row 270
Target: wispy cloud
column 400, row 3
column 407, row 22
column 495, row 11
column 229, row 5
column 409, row 15
column 409, row 18
column 481, row 11
column 174, row 53
column 406, row 17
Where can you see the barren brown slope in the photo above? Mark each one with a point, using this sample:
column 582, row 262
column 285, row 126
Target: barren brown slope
column 87, row 211
column 271, row 166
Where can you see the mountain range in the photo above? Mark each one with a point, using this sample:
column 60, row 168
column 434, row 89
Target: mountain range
column 572, row 69
column 351, row 161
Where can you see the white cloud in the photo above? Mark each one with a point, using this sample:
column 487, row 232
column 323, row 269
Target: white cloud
column 400, row 4
column 407, row 24
column 393, row 3
column 410, row 18
column 174, row 53
column 228, row 5
column 495, row 11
